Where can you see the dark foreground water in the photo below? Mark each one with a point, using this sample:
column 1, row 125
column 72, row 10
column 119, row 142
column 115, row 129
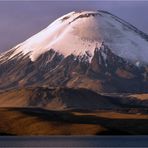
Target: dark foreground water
column 74, row 141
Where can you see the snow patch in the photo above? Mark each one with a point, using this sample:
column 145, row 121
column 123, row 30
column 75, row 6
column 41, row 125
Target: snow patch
column 137, row 64
column 78, row 32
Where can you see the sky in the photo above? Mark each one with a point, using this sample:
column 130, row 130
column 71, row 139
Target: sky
column 19, row 20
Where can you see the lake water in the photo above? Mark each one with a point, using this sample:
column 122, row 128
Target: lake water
column 74, row 141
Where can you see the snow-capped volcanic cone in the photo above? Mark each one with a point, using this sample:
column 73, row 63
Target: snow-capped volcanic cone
column 90, row 49
column 78, row 33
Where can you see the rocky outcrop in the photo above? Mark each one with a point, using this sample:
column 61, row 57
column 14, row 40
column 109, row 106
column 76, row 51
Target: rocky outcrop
column 106, row 72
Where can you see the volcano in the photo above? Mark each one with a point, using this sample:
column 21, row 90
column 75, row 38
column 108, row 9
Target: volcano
column 95, row 50
column 85, row 74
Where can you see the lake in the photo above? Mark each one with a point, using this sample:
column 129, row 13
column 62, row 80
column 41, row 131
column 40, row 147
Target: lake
column 74, row 141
